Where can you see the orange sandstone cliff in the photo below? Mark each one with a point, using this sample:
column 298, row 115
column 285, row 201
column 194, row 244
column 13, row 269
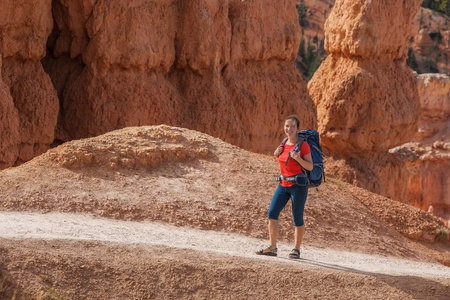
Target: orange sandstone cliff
column 426, row 159
column 220, row 67
column 366, row 96
column 28, row 101
column 385, row 127
column 225, row 68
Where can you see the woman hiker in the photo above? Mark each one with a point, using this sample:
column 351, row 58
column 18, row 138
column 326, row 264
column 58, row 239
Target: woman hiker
column 296, row 191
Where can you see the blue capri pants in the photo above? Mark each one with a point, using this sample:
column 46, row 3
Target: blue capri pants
column 298, row 195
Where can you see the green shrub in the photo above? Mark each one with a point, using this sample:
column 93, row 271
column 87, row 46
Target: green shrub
column 411, row 61
column 430, row 66
column 302, row 9
column 51, row 294
column 442, row 234
column 442, row 6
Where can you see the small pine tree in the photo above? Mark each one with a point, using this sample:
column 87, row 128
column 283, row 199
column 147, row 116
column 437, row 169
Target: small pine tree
column 411, row 61
column 310, row 55
column 302, row 49
column 302, row 9
column 313, row 67
column 430, row 65
column 442, row 6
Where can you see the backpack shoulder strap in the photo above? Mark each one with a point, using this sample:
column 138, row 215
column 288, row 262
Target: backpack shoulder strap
column 299, row 143
column 297, row 149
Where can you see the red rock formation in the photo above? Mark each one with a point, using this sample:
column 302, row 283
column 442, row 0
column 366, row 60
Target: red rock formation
column 9, row 126
column 29, row 105
column 365, row 94
column 222, row 67
column 276, row 88
column 417, row 172
column 423, row 43
column 434, row 91
column 431, row 42
column 367, row 98
column 426, row 160
column 364, row 107
column 359, row 28
column 37, row 104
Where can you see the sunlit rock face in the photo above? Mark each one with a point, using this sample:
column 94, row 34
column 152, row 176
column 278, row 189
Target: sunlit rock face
column 28, row 102
column 225, row 68
column 365, row 94
column 427, row 157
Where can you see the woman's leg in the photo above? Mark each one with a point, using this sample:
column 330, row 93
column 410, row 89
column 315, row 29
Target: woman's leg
column 299, row 233
column 279, row 200
column 299, row 195
column 273, row 232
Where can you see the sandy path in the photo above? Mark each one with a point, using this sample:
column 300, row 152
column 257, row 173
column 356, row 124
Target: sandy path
column 78, row 227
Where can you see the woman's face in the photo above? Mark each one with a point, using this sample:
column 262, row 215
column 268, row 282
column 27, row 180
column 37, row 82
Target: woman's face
column 290, row 127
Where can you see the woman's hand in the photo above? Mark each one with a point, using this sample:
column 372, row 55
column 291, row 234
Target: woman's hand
column 295, row 155
column 306, row 162
column 278, row 151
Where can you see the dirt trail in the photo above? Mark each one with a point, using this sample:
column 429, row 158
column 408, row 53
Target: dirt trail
column 61, row 226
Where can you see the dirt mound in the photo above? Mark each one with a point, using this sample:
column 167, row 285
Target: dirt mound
column 131, row 148
column 186, row 178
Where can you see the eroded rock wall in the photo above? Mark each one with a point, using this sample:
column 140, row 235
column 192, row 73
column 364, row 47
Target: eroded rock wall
column 365, row 94
column 434, row 92
column 28, row 101
column 426, row 159
column 9, row 126
column 367, row 98
column 431, row 42
column 221, row 67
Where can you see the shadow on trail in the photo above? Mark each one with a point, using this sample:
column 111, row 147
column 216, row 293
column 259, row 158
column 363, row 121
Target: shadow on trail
column 416, row 287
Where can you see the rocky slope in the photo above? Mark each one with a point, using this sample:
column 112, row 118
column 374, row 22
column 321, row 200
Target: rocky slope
column 172, row 161
column 188, row 179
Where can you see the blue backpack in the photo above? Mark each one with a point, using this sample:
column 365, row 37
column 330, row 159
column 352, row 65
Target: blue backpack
column 317, row 174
